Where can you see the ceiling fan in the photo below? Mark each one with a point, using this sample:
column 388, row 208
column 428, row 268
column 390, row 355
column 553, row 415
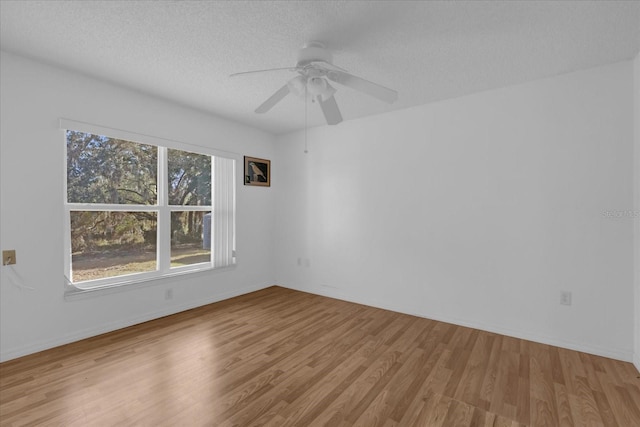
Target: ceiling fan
column 315, row 69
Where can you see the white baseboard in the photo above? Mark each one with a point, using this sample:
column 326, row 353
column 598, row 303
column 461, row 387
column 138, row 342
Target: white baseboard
column 617, row 354
column 636, row 361
column 328, row 292
column 113, row 326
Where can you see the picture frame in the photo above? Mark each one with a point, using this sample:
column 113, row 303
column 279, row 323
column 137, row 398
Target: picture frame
column 257, row 172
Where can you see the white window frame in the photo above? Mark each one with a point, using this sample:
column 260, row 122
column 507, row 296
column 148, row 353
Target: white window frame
column 224, row 173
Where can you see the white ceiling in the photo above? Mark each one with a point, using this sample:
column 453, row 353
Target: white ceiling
column 185, row 51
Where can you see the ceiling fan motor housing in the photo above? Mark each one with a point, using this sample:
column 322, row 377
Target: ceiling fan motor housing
column 312, row 52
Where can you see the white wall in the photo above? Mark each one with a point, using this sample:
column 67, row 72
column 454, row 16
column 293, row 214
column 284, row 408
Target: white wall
column 34, row 96
column 636, row 119
column 478, row 210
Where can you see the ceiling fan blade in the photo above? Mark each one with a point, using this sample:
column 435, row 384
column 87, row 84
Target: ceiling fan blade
column 262, row 71
column 362, row 85
column 324, row 65
column 330, row 110
column 273, row 99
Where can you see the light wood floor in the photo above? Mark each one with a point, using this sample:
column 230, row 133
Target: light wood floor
column 281, row 357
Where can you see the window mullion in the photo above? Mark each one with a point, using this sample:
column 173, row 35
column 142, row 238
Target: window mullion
column 102, row 207
column 164, row 213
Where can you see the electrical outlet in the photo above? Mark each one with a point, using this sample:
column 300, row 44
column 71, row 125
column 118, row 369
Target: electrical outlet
column 9, row 257
column 168, row 294
column 565, row 298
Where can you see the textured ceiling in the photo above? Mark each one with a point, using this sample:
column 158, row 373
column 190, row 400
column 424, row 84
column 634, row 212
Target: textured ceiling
column 185, row 51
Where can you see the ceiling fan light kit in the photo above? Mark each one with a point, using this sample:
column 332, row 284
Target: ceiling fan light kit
column 297, row 86
column 315, row 69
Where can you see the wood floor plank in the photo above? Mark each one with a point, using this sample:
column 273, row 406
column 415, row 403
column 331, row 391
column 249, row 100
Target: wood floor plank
column 543, row 409
column 279, row 357
column 565, row 418
column 379, row 410
column 523, row 410
column 604, row 409
column 435, row 416
column 419, row 392
column 469, row 386
column 489, row 382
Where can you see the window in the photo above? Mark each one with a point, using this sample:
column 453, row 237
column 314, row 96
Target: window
column 137, row 211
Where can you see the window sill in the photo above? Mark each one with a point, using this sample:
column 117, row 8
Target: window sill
column 73, row 293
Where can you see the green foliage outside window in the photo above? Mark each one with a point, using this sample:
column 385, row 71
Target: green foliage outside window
column 103, row 170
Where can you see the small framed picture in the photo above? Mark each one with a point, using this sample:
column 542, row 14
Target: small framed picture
column 257, row 171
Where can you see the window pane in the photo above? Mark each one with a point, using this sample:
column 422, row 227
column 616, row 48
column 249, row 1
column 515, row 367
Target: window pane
column 107, row 244
column 107, row 170
column 190, row 238
column 189, row 178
